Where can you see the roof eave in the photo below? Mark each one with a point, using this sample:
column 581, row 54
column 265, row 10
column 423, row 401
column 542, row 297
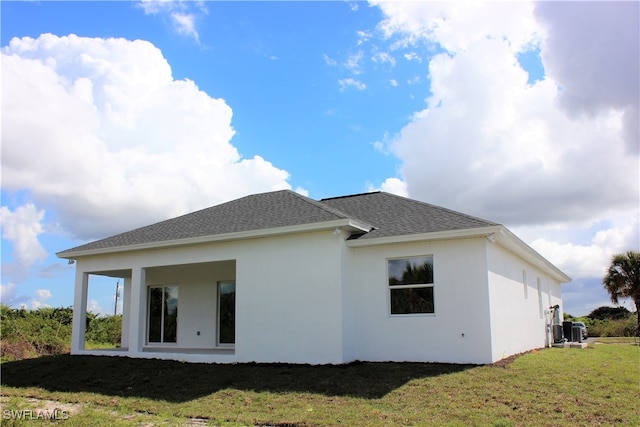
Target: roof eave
column 437, row 235
column 343, row 223
column 512, row 242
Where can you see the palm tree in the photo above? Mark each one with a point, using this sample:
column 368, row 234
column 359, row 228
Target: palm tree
column 623, row 279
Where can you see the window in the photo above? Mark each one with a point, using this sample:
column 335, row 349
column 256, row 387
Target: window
column 163, row 314
column 540, row 308
column 226, row 313
column 410, row 283
column 525, row 288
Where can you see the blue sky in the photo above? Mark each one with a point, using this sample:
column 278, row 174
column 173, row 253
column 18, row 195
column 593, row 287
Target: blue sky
column 120, row 114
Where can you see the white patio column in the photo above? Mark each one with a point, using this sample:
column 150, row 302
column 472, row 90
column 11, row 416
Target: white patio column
column 137, row 309
column 79, row 311
column 126, row 311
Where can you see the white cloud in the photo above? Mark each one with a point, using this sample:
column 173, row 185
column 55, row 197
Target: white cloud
column 40, row 301
column 592, row 257
column 454, row 26
column 43, row 294
column 9, row 296
column 412, row 56
column 391, row 185
column 383, row 57
column 182, row 14
column 414, row 80
column 7, row 293
column 99, row 132
column 94, row 307
column 329, row 61
column 554, row 160
column 22, row 227
column 185, row 24
column 353, row 62
column 493, row 145
column 302, row 191
column 395, row 186
column 363, row 36
column 351, row 83
column 152, row 7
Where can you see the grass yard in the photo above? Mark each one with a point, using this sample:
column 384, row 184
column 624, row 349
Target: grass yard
column 599, row 385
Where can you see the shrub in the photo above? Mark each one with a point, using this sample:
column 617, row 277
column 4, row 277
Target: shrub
column 47, row 331
column 613, row 328
column 104, row 329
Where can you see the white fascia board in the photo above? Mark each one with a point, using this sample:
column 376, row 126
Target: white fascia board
column 348, row 223
column 438, row 235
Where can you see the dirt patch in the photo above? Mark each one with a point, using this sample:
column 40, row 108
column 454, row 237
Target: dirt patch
column 509, row 360
column 20, row 350
column 17, row 350
column 52, row 405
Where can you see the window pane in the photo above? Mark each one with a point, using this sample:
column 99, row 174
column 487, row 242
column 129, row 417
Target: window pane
column 412, row 300
column 155, row 314
column 227, row 313
column 171, row 314
column 411, row 271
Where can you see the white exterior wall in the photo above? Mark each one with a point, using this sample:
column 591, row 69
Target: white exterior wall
column 288, row 298
column 461, row 305
column 351, row 300
column 518, row 319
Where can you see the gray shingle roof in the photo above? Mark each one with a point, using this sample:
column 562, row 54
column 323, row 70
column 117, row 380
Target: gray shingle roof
column 389, row 215
column 393, row 215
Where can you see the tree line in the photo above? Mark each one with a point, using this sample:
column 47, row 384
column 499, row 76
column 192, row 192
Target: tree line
column 608, row 322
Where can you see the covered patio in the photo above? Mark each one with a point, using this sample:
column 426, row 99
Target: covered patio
column 167, row 311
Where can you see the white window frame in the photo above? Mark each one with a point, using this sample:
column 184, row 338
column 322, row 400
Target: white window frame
column 409, row 286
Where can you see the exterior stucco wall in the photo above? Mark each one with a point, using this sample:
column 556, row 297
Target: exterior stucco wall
column 289, row 300
column 350, row 302
column 519, row 317
column 461, row 305
column 288, row 297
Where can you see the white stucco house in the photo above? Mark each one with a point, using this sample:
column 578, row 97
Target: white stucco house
column 279, row 277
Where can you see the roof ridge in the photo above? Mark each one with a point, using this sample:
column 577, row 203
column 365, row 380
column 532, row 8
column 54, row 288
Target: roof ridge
column 319, row 204
column 350, row 195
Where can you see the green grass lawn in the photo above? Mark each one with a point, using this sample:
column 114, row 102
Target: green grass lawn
column 599, row 385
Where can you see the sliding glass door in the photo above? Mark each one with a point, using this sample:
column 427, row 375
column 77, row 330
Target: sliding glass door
column 163, row 314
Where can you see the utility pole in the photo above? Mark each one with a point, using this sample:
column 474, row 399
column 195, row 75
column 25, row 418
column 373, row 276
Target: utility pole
column 115, row 308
